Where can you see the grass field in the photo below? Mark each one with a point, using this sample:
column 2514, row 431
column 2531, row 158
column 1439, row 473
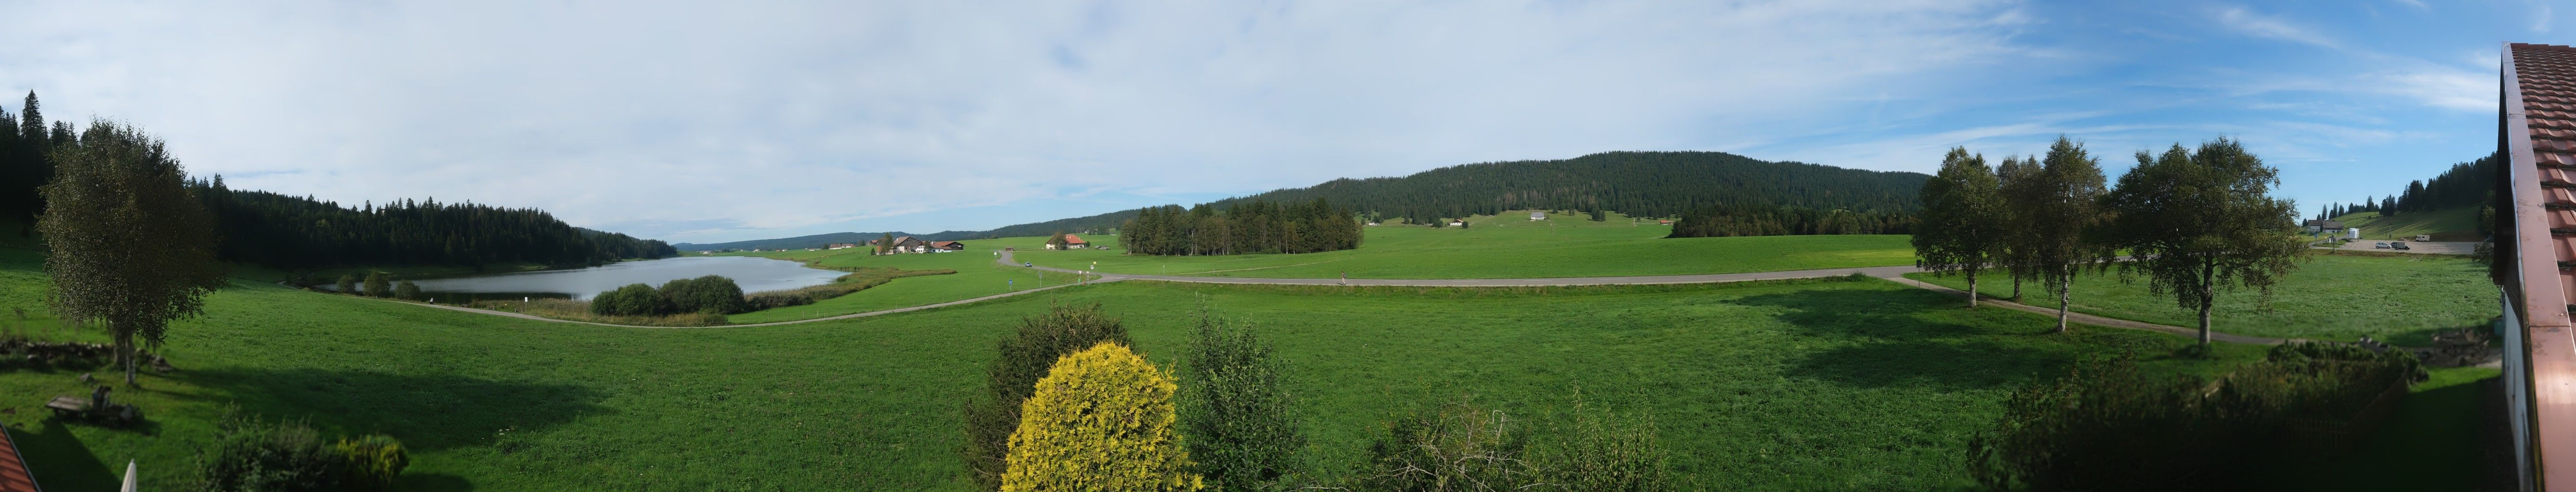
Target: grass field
column 1502, row 248
column 977, row 276
column 2398, row 298
column 2457, row 224
column 1814, row 384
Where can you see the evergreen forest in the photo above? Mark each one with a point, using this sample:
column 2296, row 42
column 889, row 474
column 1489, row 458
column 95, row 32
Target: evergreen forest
column 278, row 230
column 1254, row 226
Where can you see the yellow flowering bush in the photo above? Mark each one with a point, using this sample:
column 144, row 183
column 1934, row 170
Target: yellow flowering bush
column 1101, row 420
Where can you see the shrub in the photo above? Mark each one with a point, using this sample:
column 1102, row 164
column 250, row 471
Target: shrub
column 1100, row 420
column 378, row 285
column 1598, row 451
column 407, row 291
column 1453, row 447
column 371, row 462
column 249, row 454
column 631, row 300
column 2104, row 426
column 713, row 294
column 348, row 284
column 1238, row 410
column 1022, row 360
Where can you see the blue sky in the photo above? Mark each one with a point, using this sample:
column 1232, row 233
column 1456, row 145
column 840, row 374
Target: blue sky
column 701, row 123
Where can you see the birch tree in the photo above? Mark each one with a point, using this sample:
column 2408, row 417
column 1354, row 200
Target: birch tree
column 1961, row 227
column 2202, row 221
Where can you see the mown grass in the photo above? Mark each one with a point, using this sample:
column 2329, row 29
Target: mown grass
column 977, row 276
column 2401, row 299
column 1503, row 248
column 1815, row 384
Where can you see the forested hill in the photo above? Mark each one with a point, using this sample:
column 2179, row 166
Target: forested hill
column 1089, row 224
column 1648, row 184
column 300, row 232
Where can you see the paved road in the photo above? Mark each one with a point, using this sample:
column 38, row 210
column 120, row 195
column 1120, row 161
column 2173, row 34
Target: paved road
column 2420, row 247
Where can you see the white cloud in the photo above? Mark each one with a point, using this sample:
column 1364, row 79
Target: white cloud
column 2440, row 87
column 2252, row 24
column 702, row 123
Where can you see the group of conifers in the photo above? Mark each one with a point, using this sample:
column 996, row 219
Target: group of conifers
column 2188, row 221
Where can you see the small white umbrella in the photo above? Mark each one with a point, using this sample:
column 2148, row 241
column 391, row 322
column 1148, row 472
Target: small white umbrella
column 129, row 477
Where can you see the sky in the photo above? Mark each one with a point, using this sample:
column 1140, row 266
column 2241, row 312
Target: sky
column 711, row 122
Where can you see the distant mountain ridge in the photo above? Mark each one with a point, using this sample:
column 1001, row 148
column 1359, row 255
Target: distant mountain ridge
column 1643, row 184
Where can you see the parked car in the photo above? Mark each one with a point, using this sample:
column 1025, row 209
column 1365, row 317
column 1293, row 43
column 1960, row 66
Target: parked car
column 2398, row 245
column 2423, row 237
column 2379, row 246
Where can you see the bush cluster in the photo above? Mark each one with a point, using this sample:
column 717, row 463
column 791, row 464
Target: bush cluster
column 2105, row 426
column 1460, row 446
column 249, row 454
column 712, row 294
column 1024, row 359
column 1100, row 420
column 407, row 291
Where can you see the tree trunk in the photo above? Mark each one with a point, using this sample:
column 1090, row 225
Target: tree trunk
column 125, row 351
column 1972, row 288
column 2065, row 289
column 2016, row 289
column 2208, row 297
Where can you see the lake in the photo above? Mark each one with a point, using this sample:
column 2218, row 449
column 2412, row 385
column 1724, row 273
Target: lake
column 753, row 274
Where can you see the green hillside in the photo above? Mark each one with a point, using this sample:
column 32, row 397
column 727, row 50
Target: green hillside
column 2451, row 224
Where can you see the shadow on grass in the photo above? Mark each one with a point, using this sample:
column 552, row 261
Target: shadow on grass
column 1887, row 338
column 432, row 482
column 426, row 412
column 67, row 464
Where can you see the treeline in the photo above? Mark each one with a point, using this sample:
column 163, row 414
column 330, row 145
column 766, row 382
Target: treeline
column 2466, row 184
column 24, row 140
column 1641, row 184
column 287, row 231
column 1764, row 220
column 1255, row 226
column 278, row 230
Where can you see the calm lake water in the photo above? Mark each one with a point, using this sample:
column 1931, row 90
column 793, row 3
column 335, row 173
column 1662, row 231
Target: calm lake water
column 753, row 274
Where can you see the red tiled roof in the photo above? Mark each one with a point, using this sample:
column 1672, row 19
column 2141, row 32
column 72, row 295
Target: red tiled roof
column 2538, row 119
column 13, row 470
column 1073, row 239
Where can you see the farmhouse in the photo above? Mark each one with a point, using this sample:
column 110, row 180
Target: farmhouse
column 842, row 246
column 947, row 246
column 1071, row 242
column 2321, row 225
column 906, row 244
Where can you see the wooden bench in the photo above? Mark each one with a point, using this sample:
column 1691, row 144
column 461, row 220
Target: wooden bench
column 68, row 406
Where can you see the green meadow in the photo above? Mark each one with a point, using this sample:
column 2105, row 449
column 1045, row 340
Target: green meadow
column 2454, row 224
column 977, row 275
column 2399, row 298
column 1500, row 247
column 1811, row 384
